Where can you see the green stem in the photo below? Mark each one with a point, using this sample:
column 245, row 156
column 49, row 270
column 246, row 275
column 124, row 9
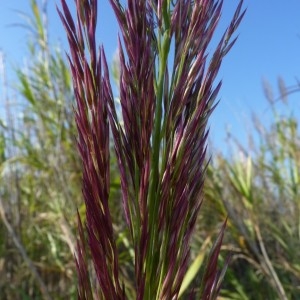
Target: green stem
column 155, row 162
column 153, row 254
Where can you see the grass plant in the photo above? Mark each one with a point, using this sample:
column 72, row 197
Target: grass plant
column 159, row 139
column 151, row 190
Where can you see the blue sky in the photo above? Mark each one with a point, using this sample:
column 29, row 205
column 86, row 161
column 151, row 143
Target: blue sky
column 268, row 47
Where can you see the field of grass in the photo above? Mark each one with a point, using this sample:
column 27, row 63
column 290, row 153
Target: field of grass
column 257, row 188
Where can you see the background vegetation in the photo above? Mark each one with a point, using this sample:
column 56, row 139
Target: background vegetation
column 40, row 189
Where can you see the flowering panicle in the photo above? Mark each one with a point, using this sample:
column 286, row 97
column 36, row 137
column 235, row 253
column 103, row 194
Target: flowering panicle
column 93, row 142
column 160, row 137
column 133, row 143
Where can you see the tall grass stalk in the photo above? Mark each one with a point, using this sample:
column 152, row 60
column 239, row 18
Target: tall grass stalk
column 159, row 139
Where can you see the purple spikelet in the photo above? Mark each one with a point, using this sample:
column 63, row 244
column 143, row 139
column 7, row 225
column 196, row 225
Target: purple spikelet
column 212, row 279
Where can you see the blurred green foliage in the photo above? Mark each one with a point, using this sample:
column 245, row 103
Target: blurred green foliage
column 258, row 188
column 40, row 176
